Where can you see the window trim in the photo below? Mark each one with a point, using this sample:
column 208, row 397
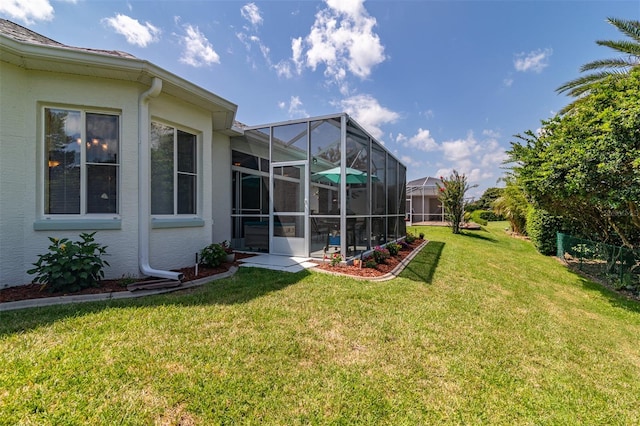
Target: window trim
column 82, row 220
column 175, row 219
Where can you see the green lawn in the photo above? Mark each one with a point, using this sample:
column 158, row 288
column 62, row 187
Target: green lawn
column 479, row 329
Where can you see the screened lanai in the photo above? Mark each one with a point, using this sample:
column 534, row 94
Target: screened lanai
column 315, row 187
column 422, row 200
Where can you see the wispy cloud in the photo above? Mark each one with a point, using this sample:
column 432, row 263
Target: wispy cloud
column 135, row 32
column 27, row 11
column 251, row 13
column 294, row 107
column 535, row 61
column 197, row 49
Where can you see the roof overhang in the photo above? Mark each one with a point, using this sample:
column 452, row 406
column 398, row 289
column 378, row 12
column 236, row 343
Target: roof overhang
column 88, row 63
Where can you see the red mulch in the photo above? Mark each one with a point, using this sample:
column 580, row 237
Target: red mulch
column 34, row 291
column 380, row 269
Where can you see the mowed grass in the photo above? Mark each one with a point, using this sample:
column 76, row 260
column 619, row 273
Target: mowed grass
column 479, row 329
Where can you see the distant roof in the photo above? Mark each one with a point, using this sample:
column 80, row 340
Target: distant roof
column 25, row 35
column 425, row 181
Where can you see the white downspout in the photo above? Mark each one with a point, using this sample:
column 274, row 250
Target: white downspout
column 144, row 173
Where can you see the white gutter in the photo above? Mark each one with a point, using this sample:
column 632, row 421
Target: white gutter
column 144, row 173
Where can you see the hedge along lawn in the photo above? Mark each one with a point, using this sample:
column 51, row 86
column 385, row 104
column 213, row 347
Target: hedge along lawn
column 478, row 329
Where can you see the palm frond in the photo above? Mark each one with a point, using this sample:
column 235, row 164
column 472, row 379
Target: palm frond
column 608, row 63
column 631, row 48
column 628, row 27
column 580, row 85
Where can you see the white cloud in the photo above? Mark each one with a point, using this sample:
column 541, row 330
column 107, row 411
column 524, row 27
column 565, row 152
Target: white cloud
column 135, row 32
column 422, row 141
column 251, row 13
column 27, row 11
column 508, row 82
column 198, row 51
column 409, row 161
column 366, row 110
column 295, row 109
column 476, row 159
column 342, row 39
column 535, row 61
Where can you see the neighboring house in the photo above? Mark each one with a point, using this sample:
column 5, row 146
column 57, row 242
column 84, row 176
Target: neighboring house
column 95, row 140
column 422, row 200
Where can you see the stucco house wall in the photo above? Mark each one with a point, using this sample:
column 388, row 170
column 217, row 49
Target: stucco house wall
column 28, row 86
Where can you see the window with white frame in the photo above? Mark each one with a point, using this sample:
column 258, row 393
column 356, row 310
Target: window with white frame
column 81, row 162
column 173, row 171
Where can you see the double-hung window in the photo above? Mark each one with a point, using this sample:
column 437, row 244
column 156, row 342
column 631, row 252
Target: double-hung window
column 173, row 171
column 81, row 162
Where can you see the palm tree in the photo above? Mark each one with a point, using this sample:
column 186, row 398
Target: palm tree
column 614, row 67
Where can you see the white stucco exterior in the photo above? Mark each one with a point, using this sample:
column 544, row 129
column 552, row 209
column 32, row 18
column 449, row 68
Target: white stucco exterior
column 33, row 77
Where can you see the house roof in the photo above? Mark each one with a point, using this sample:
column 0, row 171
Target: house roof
column 30, row 50
column 425, row 181
column 25, row 35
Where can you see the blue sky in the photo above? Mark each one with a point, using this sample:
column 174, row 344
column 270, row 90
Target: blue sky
column 443, row 84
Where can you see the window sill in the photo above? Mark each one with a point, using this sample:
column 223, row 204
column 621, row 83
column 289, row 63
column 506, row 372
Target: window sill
column 164, row 223
column 83, row 224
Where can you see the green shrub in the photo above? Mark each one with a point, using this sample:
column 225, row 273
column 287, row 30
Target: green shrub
column 542, row 229
column 70, row 266
column 336, row 258
column 380, row 254
column 476, row 216
column 393, row 248
column 370, row 263
column 213, row 255
column 410, row 238
column 490, row 216
column 421, row 235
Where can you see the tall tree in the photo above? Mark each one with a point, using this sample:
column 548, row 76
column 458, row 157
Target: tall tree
column 586, row 165
column 608, row 68
column 451, row 195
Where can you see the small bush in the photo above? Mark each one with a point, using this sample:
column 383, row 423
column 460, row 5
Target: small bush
column 336, row 258
column 213, row 255
column 393, row 248
column 421, row 235
column 380, row 254
column 70, row 266
column 370, row 263
column 476, row 217
column 410, row 238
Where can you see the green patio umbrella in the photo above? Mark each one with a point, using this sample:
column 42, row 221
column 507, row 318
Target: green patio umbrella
column 353, row 175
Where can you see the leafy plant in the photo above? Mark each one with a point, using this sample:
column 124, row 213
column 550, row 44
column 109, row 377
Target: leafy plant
column 421, row 235
column 393, row 248
column 336, row 258
column 70, row 266
column 451, row 194
column 369, row 262
column 213, row 255
column 410, row 238
column 380, row 254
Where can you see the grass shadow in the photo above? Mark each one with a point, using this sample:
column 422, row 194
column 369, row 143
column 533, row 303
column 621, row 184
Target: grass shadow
column 424, row 265
column 245, row 285
column 482, row 234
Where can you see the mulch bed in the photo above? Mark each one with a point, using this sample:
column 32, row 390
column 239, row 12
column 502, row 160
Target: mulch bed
column 380, row 269
column 35, row 291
